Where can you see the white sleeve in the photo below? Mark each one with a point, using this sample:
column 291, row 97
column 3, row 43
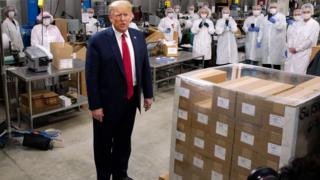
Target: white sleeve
column 219, row 27
column 234, row 27
column 35, row 37
column 195, row 27
column 309, row 40
column 281, row 23
column 211, row 27
column 245, row 25
column 161, row 26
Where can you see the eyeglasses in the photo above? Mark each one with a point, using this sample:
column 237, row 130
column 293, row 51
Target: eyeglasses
column 124, row 15
column 306, row 12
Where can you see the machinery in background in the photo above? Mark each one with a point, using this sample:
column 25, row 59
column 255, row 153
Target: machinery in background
column 37, row 59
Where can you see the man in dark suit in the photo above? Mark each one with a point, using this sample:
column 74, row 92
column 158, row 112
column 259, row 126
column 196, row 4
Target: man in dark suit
column 117, row 69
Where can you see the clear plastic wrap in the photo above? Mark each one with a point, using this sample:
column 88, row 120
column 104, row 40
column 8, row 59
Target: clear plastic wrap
column 231, row 119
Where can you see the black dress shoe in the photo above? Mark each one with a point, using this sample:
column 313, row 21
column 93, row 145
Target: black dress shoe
column 127, row 178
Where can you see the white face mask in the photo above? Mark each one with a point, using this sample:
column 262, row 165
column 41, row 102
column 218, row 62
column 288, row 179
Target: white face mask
column 177, row 10
column 297, row 18
column 46, row 21
column 273, row 11
column 225, row 16
column 11, row 14
column 90, row 15
column 306, row 16
column 256, row 12
column 170, row 15
column 203, row 16
column 191, row 11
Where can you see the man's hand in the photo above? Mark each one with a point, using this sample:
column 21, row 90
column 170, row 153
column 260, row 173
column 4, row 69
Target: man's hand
column 147, row 104
column 98, row 114
column 292, row 50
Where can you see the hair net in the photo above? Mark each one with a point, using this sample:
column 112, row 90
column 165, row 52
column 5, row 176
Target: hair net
column 8, row 9
column 44, row 14
column 203, row 10
column 308, row 6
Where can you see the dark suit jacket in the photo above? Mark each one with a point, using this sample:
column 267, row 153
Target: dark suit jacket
column 105, row 75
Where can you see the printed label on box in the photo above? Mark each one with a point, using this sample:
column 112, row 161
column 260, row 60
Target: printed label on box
column 220, row 152
column 181, row 136
column 198, row 143
column 172, row 50
column 183, row 114
column 247, row 138
column 198, row 162
column 223, row 102
column 244, row 162
column 222, row 129
column 202, row 118
column 277, row 121
column 248, row 109
column 184, row 92
column 179, row 156
column 216, row 176
column 274, row 149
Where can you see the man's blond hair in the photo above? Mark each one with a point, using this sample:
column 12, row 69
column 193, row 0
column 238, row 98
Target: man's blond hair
column 119, row 3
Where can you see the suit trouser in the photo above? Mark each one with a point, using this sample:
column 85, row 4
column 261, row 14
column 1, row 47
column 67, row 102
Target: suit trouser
column 112, row 142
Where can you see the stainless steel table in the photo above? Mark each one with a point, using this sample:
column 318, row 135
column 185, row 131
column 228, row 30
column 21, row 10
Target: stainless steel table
column 23, row 74
column 183, row 56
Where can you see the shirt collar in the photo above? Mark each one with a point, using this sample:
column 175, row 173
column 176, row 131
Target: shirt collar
column 119, row 34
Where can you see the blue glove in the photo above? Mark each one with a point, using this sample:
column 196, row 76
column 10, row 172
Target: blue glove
column 258, row 45
column 272, row 20
column 290, row 21
column 168, row 30
column 251, row 29
column 286, row 53
column 256, row 29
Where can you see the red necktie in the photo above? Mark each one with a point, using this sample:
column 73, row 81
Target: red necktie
column 127, row 65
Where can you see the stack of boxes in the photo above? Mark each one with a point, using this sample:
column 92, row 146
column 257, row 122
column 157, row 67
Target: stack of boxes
column 231, row 127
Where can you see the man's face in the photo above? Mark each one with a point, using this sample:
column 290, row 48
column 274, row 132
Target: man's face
column 121, row 18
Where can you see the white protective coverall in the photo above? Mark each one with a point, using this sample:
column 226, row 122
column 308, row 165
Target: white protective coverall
column 202, row 38
column 13, row 32
column 302, row 36
column 91, row 26
column 174, row 26
column 252, row 52
column 227, row 49
column 273, row 39
column 50, row 34
column 191, row 19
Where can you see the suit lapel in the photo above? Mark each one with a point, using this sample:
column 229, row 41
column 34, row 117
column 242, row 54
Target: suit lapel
column 116, row 51
column 136, row 53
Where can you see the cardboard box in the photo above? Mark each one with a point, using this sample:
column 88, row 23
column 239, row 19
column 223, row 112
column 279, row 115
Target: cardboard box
column 312, row 84
column 273, row 146
column 273, row 118
column 190, row 93
column 202, row 115
column 220, row 151
column 224, row 101
column 62, row 25
column 245, row 159
column 183, row 134
column 164, row 177
column 181, row 155
column 238, row 174
column 218, row 171
column 211, row 75
column 62, row 55
column 249, row 136
column 314, row 52
column 184, row 118
column 170, row 50
column 200, row 164
column 223, row 127
column 199, row 141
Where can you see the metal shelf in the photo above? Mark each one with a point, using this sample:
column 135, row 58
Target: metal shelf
column 82, row 100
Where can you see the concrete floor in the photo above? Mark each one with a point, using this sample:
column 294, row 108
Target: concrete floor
column 149, row 159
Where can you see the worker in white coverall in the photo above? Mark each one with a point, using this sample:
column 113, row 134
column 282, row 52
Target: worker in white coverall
column 227, row 50
column 45, row 33
column 251, row 27
column 203, row 29
column 91, row 26
column 301, row 38
column 273, row 34
column 191, row 16
column 168, row 25
column 11, row 28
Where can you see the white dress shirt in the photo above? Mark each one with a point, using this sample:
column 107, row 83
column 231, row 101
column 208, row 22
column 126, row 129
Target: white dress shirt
column 129, row 42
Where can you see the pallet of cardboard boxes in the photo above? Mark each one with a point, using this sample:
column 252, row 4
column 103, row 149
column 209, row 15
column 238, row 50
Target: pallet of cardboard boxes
column 232, row 119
